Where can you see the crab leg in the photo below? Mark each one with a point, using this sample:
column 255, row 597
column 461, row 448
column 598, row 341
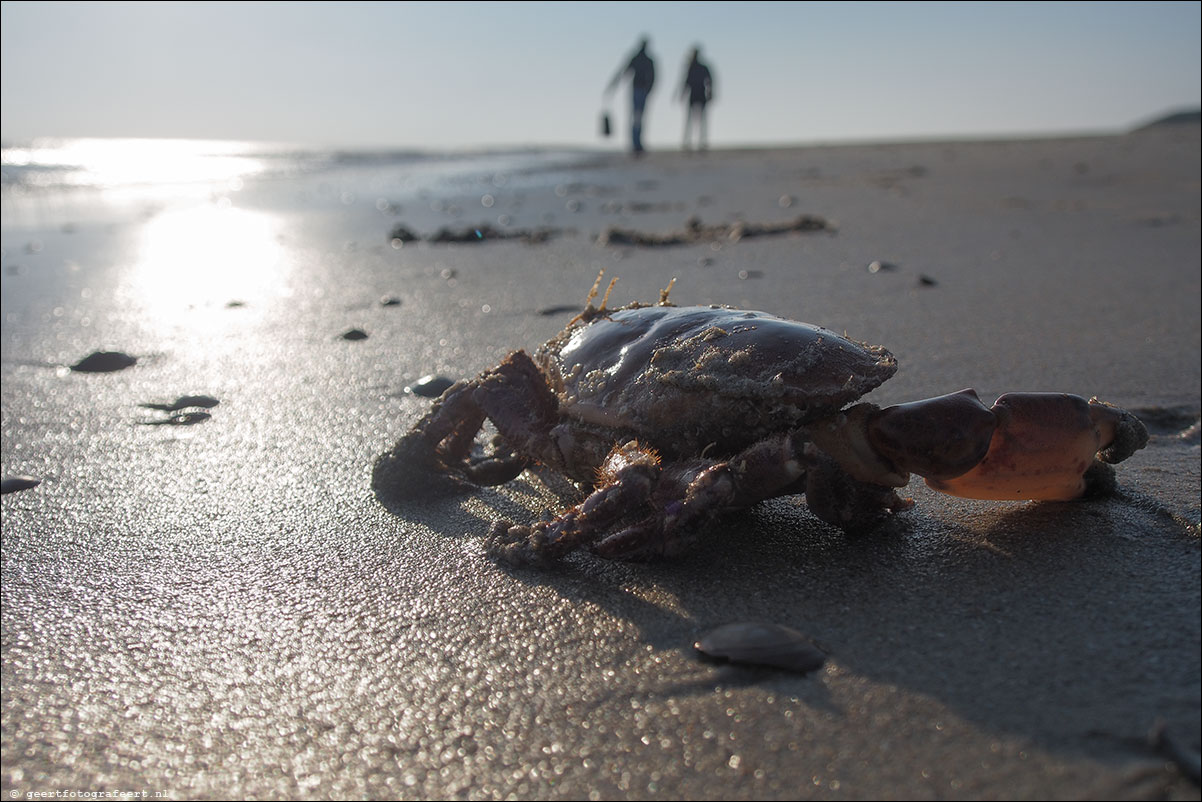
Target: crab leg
column 840, row 499
column 668, row 504
column 685, row 499
column 690, row 494
column 664, row 507
column 625, row 482
column 435, row 454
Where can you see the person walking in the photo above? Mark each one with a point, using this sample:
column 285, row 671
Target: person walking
column 698, row 89
column 641, row 69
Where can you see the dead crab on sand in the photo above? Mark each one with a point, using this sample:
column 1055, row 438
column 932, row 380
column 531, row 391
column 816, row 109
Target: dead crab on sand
column 674, row 414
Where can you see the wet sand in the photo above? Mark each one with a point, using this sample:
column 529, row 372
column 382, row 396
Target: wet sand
column 220, row 606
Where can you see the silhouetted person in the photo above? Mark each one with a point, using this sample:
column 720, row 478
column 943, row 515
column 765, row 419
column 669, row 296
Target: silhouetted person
column 698, row 86
column 641, row 70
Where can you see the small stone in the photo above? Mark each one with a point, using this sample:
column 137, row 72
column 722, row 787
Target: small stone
column 354, row 334
column 430, row 386
column 390, row 300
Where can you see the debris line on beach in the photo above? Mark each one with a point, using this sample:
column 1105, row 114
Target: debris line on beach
column 695, row 231
column 471, row 235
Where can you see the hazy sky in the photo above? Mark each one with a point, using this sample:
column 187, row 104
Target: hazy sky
column 448, row 74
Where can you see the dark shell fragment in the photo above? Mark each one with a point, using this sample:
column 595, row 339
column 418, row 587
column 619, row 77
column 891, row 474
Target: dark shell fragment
column 184, row 402
column 180, row 419
column 12, row 484
column 104, row 362
column 762, row 644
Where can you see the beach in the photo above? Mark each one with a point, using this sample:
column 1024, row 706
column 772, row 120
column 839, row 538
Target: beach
column 220, row 606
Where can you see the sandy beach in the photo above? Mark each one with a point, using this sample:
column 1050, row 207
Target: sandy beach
column 220, row 606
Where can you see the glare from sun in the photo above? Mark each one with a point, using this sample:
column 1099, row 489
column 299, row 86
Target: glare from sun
column 111, row 163
column 207, row 256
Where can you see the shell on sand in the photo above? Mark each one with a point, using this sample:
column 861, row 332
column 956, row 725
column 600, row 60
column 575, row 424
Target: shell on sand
column 762, row 644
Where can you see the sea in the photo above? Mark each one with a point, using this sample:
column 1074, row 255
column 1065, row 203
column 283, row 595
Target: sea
column 80, row 181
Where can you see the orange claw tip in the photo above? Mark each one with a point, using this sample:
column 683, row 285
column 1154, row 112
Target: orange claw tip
column 1043, row 445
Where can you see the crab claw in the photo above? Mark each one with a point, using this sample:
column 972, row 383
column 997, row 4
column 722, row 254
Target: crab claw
column 1027, row 446
column 1043, row 448
column 937, row 438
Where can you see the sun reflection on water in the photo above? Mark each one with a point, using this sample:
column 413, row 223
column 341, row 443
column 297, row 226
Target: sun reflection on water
column 54, row 182
column 110, row 163
column 207, row 256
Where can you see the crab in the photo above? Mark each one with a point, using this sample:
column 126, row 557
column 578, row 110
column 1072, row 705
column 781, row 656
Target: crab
column 670, row 415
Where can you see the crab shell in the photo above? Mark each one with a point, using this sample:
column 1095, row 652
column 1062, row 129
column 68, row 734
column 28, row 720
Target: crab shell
column 698, row 379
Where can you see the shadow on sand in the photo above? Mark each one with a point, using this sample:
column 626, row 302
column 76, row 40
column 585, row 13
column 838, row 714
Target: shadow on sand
column 1036, row 619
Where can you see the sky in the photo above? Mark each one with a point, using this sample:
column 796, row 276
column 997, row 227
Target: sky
column 446, row 75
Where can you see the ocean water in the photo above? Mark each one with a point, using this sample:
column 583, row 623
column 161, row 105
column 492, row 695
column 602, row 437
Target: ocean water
column 52, row 183
column 125, row 240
